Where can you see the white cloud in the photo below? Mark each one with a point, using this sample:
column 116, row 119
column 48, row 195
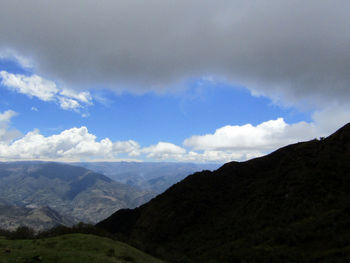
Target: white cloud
column 45, row 90
column 68, row 104
column 229, row 143
column 71, row 144
column 33, row 86
column 247, row 141
column 164, row 151
column 263, row 137
column 130, row 147
column 84, row 96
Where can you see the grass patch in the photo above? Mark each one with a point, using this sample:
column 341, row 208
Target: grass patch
column 77, row 248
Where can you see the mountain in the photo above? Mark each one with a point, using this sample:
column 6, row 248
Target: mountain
column 71, row 191
column 151, row 176
column 12, row 217
column 292, row 205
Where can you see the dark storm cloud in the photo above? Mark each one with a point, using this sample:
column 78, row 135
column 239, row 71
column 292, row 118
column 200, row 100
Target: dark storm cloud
column 288, row 49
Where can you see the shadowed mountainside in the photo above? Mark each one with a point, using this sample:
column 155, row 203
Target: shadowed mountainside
column 74, row 191
column 292, row 205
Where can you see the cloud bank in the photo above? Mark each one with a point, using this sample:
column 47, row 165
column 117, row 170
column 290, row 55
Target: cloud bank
column 227, row 143
column 287, row 50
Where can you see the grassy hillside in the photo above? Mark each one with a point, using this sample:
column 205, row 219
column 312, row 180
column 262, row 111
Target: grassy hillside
column 292, row 205
column 71, row 248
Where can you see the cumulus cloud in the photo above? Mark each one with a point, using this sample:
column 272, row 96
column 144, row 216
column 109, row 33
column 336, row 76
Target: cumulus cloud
column 228, row 143
column 263, row 137
column 130, row 147
column 68, row 103
column 247, row 141
column 243, row 142
column 71, row 144
column 45, row 90
column 164, row 151
column 288, row 50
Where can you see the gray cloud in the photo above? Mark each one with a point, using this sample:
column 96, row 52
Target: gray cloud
column 290, row 50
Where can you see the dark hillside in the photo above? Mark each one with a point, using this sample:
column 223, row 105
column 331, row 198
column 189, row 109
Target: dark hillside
column 292, row 205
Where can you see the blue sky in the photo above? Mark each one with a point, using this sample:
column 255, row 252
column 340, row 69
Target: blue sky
column 202, row 89
column 198, row 108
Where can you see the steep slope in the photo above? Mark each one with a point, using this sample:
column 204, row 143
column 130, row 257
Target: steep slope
column 292, row 205
column 155, row 177
column 12, row 217
column 75, row 191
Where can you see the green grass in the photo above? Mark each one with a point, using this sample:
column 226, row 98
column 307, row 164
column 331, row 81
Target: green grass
column 71, row 248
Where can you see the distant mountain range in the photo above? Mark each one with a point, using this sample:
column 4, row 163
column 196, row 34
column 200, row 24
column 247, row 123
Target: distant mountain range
column 292, row 205
column 73, row 192
column 152, row 176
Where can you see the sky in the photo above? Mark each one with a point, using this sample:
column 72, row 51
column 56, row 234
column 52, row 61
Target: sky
column 158, row 80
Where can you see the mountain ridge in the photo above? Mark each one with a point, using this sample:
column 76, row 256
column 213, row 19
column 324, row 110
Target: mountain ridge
column 151, row 176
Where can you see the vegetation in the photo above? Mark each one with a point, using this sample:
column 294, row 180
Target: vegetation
column 71, row 248
column 24, row 232
column 290, row 206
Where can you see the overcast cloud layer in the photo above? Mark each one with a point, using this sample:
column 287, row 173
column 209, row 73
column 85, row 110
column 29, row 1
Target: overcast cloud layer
column 288, row 50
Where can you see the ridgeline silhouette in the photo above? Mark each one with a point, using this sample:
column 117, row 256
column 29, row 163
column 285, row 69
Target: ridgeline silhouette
column 292, row 205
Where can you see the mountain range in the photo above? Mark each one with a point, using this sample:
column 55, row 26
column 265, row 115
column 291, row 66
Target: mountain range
column 151, row 176
column 74, row 192
column 292, row 205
